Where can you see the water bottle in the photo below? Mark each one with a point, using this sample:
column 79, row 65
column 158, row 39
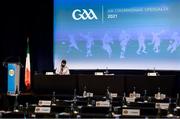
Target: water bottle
column 107, row 94
column 177, row 101
column 134, row 92
column 124, row 102
column 106, row 72
column 145, row 97
column 84, row 92
column 54, row 98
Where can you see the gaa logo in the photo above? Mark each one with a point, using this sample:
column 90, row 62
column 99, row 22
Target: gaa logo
column 37, row 109
column 83, row 14
column 11, row 72
column 125, row 111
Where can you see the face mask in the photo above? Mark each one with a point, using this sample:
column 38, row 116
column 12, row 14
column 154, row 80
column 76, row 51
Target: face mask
column 62, row 65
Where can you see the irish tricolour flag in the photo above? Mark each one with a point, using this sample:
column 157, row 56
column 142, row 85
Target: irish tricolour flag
column 27, row 68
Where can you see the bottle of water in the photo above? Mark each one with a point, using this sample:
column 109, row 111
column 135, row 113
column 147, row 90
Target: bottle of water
column 154, row 69
column 106, row 72
column 159, row 112
column 159, row 93
column 170, row 112
column 84, row 92
column 73, row 104
column 177, row 101
column 16, row 103
column 145, row 97
column 27, row 105
column 16, row 100
column 107, row 94
column 72, row 108
column 75, row 97
column 124, row 102
column 134, row 92
column 54, row 98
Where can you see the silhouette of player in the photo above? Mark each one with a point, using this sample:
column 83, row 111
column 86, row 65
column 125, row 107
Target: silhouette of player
column 141, row 42
column 156, row 41
column 72, row 44
column 89, row 42
column 123, row 39
column 107, row 41
column 174, row 43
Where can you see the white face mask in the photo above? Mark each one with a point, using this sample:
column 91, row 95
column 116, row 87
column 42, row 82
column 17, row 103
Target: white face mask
column 63, row 65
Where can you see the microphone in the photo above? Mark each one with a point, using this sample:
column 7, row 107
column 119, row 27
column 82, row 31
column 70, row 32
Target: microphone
column 12, row 59
column 19, row 62
column 170, row 112
column 22, row 66
column 85, row 92
column 4, row 63
column 54, row 98
column 177, row 101
column 124, row 102
column 145, row 97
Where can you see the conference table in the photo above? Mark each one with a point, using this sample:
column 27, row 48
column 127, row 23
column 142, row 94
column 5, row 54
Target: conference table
column 71, row 107
column 66, row 92
column 98, row 84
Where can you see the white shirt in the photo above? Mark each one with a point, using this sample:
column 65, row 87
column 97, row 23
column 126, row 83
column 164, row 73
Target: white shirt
column 63, row 70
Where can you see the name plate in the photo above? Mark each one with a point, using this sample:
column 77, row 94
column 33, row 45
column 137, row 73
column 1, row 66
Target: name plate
column 162, row 105
column 44, row 103
column 159, row 96
column 89, row 94
column 114, row 95
column 163, row 96
column 130, row 99
column 152, row 74
column 98, row 73
column 131, row 112
column 42, row 109
column 49, row 73
column 102, row 104
column 137, row 95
